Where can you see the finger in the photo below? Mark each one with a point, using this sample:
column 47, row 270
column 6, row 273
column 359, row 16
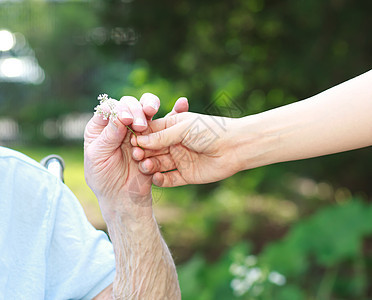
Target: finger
column 164, row 138
column 111, row 137
column 135, row 108
column 153, row 126
column 93, row 129
column 168, row 179
column 139, row 154
column 124, row 114
column 157, row 127
column 150, row 104
column 160, row 163
column 159, row 124
column 181, row 105
column 97, row 123
column 133, row 140
column 112, row 130
column 121, row 110
column 102, row 114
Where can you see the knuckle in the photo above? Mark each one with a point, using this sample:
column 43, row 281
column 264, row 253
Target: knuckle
column 171, row 120
column 159, row 138
column 156, row 164
column 148, row 153
column 172, row 179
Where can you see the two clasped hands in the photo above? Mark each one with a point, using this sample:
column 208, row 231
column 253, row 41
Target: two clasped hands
column 333, row 121
column 173, row 151
column 121, row 173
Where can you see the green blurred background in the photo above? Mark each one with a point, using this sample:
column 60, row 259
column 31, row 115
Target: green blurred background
column 298, row 230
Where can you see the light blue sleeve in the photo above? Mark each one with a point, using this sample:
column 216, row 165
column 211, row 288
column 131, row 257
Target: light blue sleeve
column 80, row 261
column 48, row 249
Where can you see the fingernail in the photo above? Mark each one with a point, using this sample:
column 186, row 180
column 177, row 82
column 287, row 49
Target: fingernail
column 139, row 122
column 154, row 104
column 126, row 115
column 142, row 139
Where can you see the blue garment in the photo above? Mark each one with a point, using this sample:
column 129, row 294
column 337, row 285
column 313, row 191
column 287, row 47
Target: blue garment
column 48, row 249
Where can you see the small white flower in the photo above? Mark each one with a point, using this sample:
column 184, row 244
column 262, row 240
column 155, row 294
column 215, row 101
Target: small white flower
column 238, row 270
column 102, row 98
column 239, row 287
column 277, row 278
column 235, row 283
column 253, row 275
column 112, row 114
column 250, row 260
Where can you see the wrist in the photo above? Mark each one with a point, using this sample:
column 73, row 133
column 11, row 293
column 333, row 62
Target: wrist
column 254, row 142
column 137, row 229
column 126, row 208
column 144, row 265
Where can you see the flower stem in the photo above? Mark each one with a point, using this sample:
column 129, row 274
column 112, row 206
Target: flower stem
column 131, row 130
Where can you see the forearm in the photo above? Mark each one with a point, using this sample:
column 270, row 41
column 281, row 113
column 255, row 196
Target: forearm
column 336, row 120
column 144, row 265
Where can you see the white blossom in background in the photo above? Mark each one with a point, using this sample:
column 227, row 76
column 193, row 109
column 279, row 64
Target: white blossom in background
column 249, row 278
column 277, row 278
column 250, row 260
column 238, row 270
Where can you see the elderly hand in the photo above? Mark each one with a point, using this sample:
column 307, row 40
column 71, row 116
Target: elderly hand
column 124, row 195
column 109, row 169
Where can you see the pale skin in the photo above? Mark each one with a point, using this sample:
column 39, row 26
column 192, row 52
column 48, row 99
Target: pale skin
column 199, row 148
column 144, row 265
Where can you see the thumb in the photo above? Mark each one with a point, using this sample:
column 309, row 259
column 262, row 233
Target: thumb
column 164, row 138
column 111, row 137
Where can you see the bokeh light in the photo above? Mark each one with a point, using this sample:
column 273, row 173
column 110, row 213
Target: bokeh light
column 12, row 67
column 7, row 40
column 21, row 69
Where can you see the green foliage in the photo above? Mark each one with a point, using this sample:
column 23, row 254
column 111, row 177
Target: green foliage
column 249, row 56
column 202, row 280
column 328, row 236
column 324, row 244
column 140, row 81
